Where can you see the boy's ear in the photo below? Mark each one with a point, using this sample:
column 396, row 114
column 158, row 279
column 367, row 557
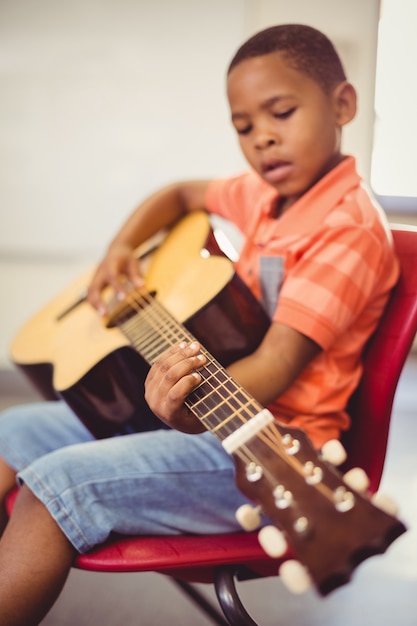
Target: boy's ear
column 345, row 103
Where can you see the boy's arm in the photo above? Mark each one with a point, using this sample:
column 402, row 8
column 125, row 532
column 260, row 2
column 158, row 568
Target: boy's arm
column 158, row 211
column 266, row 374
column 275, row 365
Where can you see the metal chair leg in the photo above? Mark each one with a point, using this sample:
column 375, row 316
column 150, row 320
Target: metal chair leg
column 203, row 603
column 232, row 607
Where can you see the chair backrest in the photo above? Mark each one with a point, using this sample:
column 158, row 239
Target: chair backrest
column 371, row 405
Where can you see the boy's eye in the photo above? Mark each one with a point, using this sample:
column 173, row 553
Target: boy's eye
column 283, row 115
column 245, row 130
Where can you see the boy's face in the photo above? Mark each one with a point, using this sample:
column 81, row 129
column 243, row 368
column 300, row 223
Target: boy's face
column 286, row 123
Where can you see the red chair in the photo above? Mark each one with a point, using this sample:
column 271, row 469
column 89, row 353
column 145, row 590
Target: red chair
column 385, row 356
column 224, row 559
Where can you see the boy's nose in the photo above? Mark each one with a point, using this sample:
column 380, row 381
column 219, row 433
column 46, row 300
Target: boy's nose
column 265, row 139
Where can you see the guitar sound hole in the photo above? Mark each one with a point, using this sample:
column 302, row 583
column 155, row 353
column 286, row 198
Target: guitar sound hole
column 121, row 311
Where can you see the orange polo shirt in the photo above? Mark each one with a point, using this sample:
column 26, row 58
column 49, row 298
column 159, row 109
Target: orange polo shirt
column 324, row 268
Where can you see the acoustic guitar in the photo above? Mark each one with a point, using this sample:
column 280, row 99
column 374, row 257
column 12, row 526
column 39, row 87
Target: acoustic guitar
column 68, row 352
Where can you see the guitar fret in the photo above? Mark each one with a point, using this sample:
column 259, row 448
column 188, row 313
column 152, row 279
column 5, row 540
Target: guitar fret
column 224, row 428
column 207, row 396
column 228, row 425
column 227, row 420
column 245, row 410
column 215, row 368
column 226, row 402
column 218, row 378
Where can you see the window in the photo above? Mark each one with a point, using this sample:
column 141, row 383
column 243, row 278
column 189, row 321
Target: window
column 394, row 162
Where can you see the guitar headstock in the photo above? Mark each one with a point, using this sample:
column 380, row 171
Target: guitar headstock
column 330, row 526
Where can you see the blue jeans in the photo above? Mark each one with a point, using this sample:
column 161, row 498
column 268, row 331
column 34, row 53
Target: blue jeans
column 161, row 482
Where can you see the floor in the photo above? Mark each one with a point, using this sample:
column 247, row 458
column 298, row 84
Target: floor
column 383, row 590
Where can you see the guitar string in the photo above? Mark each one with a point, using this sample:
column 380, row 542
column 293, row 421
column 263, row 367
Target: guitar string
column 144, row 305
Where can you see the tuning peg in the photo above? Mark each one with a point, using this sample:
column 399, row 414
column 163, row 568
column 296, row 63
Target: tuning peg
column 249, row 517
column 272, row 541
column 295, row 576
column 385, row 503
column 357, row 479
column 334, row 452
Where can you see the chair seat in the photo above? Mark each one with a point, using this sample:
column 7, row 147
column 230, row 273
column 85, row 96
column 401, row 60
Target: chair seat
column 188, row 557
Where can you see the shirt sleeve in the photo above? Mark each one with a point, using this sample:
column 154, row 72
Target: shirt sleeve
column 235, row 199
column 331, row 284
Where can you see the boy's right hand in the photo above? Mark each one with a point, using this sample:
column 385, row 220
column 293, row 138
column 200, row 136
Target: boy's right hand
column 118, row 266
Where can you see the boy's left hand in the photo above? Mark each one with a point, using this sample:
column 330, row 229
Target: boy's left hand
column 169, row 382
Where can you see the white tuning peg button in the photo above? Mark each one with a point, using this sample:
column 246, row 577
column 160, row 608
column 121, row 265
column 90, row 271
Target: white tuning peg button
column 385, row 503
column 295, row 576
column 357, row 479
column 248, row 517
column 334, row 452
column 272, row 541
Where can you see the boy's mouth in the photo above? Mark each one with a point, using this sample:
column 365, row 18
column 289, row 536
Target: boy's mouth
column 275, row 170
column 272, row 164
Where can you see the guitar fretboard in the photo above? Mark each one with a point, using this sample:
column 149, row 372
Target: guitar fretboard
column 220, row 403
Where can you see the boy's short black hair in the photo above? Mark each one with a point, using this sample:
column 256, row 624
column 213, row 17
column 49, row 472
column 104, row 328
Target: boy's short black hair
column 305, row 49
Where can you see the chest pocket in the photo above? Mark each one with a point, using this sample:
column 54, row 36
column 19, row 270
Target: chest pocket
column 271, row 278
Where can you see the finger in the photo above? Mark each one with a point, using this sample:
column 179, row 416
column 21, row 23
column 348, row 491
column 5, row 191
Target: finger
column 172, row 378
column 168, row 404
column 134, row 274
column 94, row 294
column 181, row 389
column 180, row 360
column 116, row 278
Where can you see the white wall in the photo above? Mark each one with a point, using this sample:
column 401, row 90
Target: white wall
column 103, row 101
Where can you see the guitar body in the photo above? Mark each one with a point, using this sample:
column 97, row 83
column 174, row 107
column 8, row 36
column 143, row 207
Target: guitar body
column 67, row 351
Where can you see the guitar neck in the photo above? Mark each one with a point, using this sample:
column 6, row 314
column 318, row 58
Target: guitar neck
column 219, row 402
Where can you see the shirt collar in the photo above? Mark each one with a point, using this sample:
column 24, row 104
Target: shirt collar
column 318, row 201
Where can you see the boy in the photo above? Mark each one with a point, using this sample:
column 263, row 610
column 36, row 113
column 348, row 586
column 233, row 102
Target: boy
column 319, row 255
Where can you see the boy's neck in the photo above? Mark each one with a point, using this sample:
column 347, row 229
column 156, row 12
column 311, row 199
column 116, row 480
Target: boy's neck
column 286, row 202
